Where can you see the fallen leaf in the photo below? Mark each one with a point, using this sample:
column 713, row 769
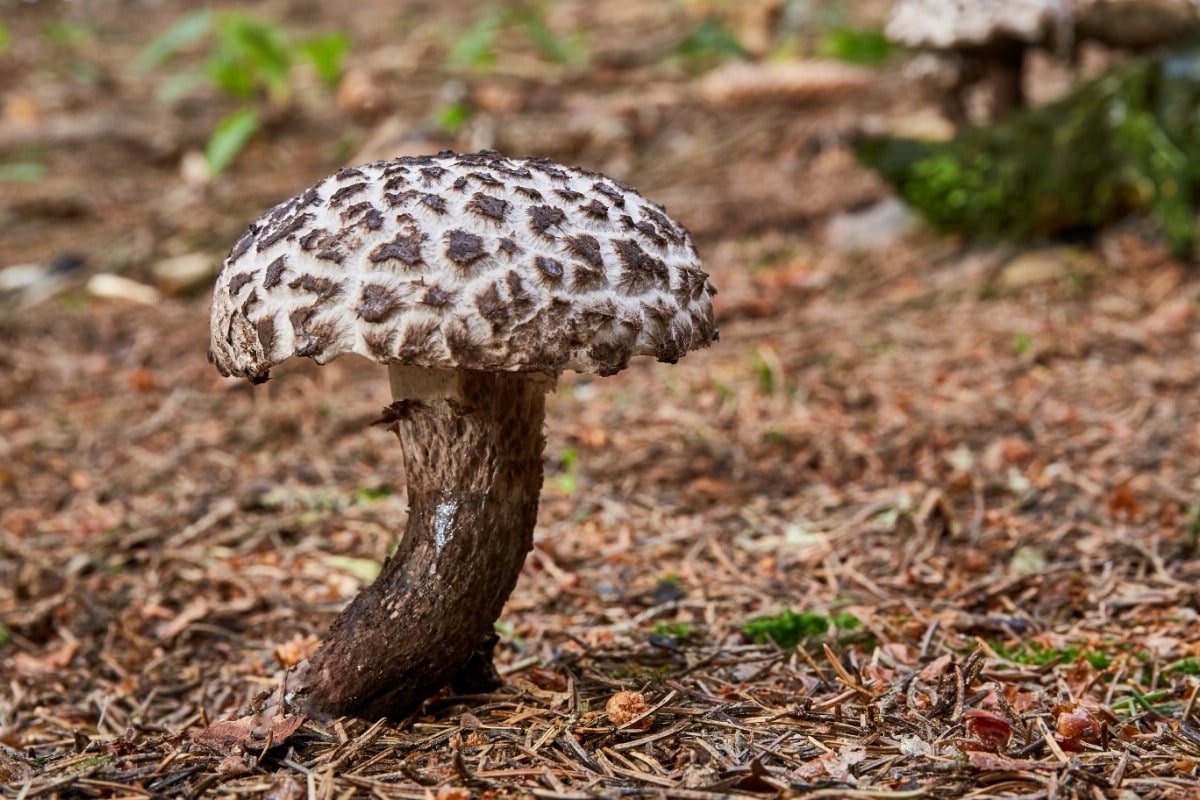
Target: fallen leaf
column 251, row 733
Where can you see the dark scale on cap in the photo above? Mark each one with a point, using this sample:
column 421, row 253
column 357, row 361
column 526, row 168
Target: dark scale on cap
column 397, row 167
column 649, row 230
column 487, row 179
column 528, row 191
column 434, row 202
column 339, row 197
column 404, row 247
column 243, row 244
column 314, row 341
column 691, row 285
column 586, row 247
column 519, row 172
column 324, row 288
column 599, row 313
column 238, row 281
column 660, row 309
column 431, row 174
column 460, row 183
column 403, row 198
column 595, row 209
column 463, row 248
column 285, row 229
column 494, row 308
column 378, row 303
column 508, row 246
column 617, row 197
column 588, row 279
column 610, row 357
column 369, row 214
column 666, row 227
column 521, row 300
column 437, row 297
column 275, row 272
column 419, row 338
column 543, row 218
column 395, row 184
column 570, row 195
column 379, row 343
column 480, row 158
column 548, row 167
column 463, row 346
column 549, row 267
column 265, row 328
column 299, row 317
column 487, row 206
column 325, row 245
column 346, row 173
column 642, row 272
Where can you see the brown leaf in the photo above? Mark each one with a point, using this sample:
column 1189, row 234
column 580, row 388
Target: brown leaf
column 249, row 733
column 992, row 731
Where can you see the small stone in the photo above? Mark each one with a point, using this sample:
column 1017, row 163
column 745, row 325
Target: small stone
column 117, row 287
column 184, row 273
column 874, row 228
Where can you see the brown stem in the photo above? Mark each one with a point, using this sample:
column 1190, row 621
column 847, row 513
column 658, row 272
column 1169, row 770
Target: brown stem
column 473, row 458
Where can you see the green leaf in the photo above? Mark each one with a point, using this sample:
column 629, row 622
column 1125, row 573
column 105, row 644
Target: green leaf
column 710, row 40
column 22, row 172
column 249, row 54
column 325, row 53
column 178, row 86
column 453, row 116
column 857, row 47
column 4, row 37
column 184, row 33
column 473, row 49
column 228, row 139
column 554, row 48
column 66, row 34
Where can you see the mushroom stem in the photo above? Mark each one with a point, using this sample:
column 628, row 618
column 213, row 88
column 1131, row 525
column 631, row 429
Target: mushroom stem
column 473, row 446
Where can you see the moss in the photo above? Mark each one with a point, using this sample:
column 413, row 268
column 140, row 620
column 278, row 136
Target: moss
column 1128, row 141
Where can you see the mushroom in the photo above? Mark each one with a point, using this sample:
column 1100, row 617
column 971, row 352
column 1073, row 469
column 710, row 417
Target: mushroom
column 1136, row 24
column 988, row 37
column 477, row 279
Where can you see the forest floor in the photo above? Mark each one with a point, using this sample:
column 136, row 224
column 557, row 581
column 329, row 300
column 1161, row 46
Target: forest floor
column 923, row 523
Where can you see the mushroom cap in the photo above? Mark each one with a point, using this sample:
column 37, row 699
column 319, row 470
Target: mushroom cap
column 1136, row 24
column 471, row 261
column 962, row 24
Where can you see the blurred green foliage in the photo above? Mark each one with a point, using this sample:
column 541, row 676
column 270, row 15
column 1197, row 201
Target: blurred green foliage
column 856, row 46
column 246, row 58
column 1128, row 141
column 474, row 49
column 5, row 38
column 788, row 629
column 709, row 43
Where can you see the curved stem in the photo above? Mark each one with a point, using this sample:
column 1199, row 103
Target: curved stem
column 473, row 457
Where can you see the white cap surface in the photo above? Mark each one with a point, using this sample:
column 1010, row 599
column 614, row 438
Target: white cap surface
column 472, row 261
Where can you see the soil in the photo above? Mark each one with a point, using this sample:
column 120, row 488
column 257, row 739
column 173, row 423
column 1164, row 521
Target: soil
column 972, row 472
